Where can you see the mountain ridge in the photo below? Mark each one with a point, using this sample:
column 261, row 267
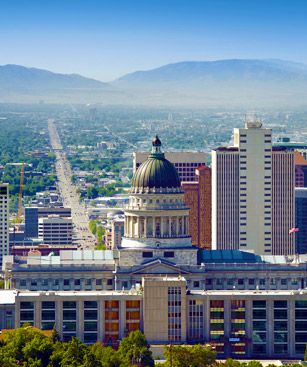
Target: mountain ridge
column 231, row 82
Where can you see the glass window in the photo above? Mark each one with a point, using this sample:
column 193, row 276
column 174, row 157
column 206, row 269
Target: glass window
column 280, row 337
column 90, row 304
column 280, row 325
column 280, row 304
column 90, row 326
column 98, row 281
column 77, row 282
column 301, row 326
column 27, row 315
column 26, row 305
column 301, row 337
column 90, row 314
column 48, row 315
column 259, row 314
column 69, row 304
column 301, row 314
column 47, row 325
column 90, row 337
column 69, row 315
column 259, row 337
column 259, row 325
column 48, row 305
column 259, row 348
column 259, row 304
column 301, row 304
column 280, row 314
column 69, row 326
column 280, row 348
column 147, row 254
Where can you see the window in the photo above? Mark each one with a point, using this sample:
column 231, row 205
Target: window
column 77, row 282
column 251, row 281
column 98, row 281
column 196, row 284
column 147, row 254
column 169, row 254
column 66, row 282
column 110, row 282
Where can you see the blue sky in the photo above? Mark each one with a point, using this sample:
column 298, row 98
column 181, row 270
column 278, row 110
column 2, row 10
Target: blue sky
column 105, row 39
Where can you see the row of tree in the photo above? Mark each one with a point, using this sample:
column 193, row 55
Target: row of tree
column 31, row 347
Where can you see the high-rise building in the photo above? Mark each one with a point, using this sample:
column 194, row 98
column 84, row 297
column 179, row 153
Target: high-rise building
column 185, row 162
column 301, row 220
column 300, row 170
column 32, row 215
column 197, row 196
column 253, row 194
column 55, row 230
column 4, row 221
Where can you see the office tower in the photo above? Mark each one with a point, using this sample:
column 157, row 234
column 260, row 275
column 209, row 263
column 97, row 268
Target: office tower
column 197, row 196
column 253, row 194
column 55, row 230
column 4, row 221
column 185, row 162
column 300, row 170
column 32, row 215
column 301, row 220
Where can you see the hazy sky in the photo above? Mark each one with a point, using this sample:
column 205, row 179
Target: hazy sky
column 107, row 38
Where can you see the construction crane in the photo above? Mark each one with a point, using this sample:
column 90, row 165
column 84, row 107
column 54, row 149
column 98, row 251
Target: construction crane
column 21, row 187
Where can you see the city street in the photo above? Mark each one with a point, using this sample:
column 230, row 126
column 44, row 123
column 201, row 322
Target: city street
column 68, row 191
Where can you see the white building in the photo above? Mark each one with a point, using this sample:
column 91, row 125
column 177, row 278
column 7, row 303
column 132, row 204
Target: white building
column 253, row 194
column 4, row 221
column 55, row 230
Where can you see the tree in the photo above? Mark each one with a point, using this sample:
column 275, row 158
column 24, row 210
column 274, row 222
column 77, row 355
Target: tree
column 25, row 344
column 134, row 348
column 192, row 356
column 93, row 226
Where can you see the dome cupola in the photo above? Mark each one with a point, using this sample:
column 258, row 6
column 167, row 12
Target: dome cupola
column 156, row 174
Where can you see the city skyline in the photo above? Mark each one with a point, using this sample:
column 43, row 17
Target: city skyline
column 106, row 40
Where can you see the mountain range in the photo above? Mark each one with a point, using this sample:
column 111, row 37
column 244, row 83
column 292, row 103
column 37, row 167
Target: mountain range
column 223, row 83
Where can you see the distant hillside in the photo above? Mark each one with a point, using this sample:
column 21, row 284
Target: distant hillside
column 225, row 82
column 22, row 84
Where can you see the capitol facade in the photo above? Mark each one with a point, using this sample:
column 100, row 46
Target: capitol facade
column 244, row 305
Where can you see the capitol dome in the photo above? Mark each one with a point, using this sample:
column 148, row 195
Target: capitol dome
column 156, row 173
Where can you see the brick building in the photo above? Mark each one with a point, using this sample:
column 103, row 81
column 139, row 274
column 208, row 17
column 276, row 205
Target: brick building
column 197, row 196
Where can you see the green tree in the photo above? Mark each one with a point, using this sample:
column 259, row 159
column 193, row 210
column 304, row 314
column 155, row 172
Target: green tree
column 134, row 349
column 107, row 355
column 93, row 226
column 25, row 344
column 192, row 356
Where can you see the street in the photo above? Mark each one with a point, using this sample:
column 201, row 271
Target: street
column 71, row 198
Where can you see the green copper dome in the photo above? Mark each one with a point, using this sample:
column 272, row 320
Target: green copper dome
column 156, row 172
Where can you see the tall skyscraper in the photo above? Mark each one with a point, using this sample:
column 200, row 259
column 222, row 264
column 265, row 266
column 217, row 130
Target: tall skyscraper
column 4, row 221
column 253, row 193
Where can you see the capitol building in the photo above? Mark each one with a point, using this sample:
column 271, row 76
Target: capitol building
column 243, row 304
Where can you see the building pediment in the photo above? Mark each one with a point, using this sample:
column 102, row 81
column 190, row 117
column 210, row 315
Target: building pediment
column 160, row 267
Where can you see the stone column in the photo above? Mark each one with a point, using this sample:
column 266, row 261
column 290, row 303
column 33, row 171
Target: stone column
column 162, row 227
column 177, row 226
column 139, row 227
column 170, row 226
column 122, row 318
column 37, row 314
column 80, row 320
column 182, row 225
column 145, row 227
column 59, row 317
column 101, row 318
column 154, row 226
